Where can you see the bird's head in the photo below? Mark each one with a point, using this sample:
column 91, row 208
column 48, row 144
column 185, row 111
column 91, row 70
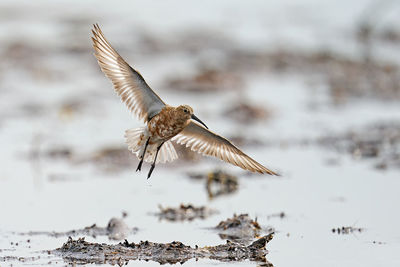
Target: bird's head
column 186, row 112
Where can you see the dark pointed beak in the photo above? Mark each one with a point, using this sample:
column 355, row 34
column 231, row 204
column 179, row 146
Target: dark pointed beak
column 197, row 119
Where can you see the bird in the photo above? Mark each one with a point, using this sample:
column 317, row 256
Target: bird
column 164, row 124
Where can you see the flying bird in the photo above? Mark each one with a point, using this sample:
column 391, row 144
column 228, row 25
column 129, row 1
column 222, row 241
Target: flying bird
column 164, row 123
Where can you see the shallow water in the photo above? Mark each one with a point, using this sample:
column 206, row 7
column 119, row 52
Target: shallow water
column 56, row 97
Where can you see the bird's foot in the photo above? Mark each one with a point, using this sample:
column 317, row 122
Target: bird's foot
column 151, row 170
column 139, row 167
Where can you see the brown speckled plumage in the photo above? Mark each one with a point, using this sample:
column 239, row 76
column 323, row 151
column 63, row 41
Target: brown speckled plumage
column 169, row 122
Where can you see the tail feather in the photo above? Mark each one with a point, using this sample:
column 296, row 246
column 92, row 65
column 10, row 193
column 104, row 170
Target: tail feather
column 136, row 140
column 167, row 153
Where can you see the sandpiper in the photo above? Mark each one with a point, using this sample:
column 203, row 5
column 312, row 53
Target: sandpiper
column 164, row 123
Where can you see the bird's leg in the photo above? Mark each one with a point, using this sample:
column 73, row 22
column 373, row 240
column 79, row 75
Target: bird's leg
column 154, row 162
column 139, row 167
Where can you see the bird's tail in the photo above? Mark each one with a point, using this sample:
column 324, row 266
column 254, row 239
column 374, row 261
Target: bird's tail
column 136, row 140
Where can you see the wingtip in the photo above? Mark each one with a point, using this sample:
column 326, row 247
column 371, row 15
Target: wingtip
column 273, row 173
column 96, row 29
column 95, row 32
column 265, row 170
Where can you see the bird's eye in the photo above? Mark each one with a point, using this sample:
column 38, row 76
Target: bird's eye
column 185, row 110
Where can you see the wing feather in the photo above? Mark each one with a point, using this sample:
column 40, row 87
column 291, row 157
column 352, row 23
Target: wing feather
column 133, row 90
column 203, row 141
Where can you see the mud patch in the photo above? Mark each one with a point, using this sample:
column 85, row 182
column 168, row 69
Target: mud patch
column 184, row 213
column 217, row 182
column 240, row 228
column 82, row 252
column 221, row 183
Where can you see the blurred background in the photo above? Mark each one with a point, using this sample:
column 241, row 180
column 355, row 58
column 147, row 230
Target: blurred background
column 308, row 88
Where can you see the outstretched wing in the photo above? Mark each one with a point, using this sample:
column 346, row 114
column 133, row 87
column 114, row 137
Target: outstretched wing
column 128, row 83
column 203, row 141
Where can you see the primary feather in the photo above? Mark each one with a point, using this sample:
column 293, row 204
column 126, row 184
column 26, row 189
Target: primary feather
column 128, row 83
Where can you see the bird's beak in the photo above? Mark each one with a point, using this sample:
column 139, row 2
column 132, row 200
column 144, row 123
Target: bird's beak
column 197, row 119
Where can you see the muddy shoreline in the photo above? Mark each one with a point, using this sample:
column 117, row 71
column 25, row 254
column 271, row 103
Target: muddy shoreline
column 81, row 252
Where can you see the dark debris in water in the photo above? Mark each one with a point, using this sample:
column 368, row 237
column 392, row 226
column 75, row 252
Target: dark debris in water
column 345, row 230
column 58, row 153
column 83, row 252
column 115, row 230
column 280, row 215
column 17, row 258
column 184, row 213
column 378, row 242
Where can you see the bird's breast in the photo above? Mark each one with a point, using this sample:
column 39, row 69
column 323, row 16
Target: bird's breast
column 164, row 126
